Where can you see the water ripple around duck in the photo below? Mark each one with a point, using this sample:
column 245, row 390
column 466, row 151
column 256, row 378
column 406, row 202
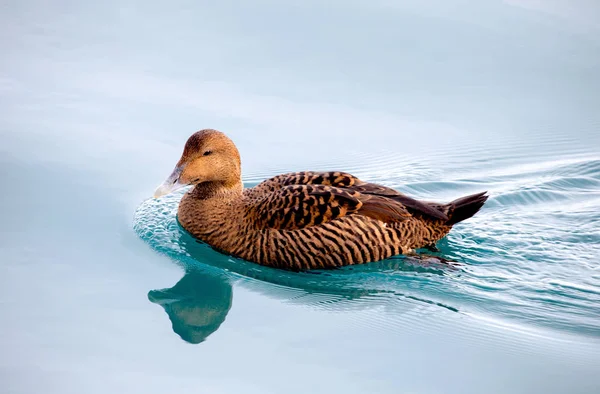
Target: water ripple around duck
column 529, row 257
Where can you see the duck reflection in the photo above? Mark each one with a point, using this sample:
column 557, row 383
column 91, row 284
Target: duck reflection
column 197, row 305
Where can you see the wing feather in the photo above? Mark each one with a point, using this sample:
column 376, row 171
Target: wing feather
column 387, row 197
column 299, row 206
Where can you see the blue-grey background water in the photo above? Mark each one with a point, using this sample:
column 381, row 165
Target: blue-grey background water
column 100, row 291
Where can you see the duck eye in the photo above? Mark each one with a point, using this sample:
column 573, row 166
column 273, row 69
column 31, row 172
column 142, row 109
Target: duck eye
column 206, row 153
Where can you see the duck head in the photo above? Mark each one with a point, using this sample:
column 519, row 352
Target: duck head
column 209, row 158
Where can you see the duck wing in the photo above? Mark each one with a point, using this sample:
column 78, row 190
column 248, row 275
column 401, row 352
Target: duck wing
column 332, row 178
column 299, row 206
column 348, row 181
column 416, row 207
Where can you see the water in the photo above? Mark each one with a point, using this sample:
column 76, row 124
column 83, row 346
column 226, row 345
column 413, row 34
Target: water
column 101, row 291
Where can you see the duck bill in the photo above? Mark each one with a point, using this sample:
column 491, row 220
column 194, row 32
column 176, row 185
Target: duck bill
column 171, row 184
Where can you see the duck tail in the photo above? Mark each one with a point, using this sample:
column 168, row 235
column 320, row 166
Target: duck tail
column 465, row 207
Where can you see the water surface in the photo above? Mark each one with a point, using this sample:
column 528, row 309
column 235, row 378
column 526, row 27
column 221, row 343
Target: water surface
column 101, row 291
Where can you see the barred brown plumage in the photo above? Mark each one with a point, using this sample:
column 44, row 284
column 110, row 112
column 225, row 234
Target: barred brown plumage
column 302, row 220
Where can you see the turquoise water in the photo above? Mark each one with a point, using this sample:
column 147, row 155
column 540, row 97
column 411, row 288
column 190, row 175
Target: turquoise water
column 101, row 291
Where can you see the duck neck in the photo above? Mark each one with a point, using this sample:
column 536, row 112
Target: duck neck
column 218, row 190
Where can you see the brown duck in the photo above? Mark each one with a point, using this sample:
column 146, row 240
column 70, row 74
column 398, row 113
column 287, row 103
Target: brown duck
column 301, row 220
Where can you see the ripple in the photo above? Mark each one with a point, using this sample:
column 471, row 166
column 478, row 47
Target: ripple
column 529, row 257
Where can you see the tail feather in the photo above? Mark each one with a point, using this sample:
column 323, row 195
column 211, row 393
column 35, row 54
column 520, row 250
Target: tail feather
column 465, row 207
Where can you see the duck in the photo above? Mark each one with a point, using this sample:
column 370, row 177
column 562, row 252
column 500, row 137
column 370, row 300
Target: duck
column 305, row 220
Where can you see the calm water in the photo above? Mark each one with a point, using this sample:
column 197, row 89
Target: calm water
column 101, row 291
